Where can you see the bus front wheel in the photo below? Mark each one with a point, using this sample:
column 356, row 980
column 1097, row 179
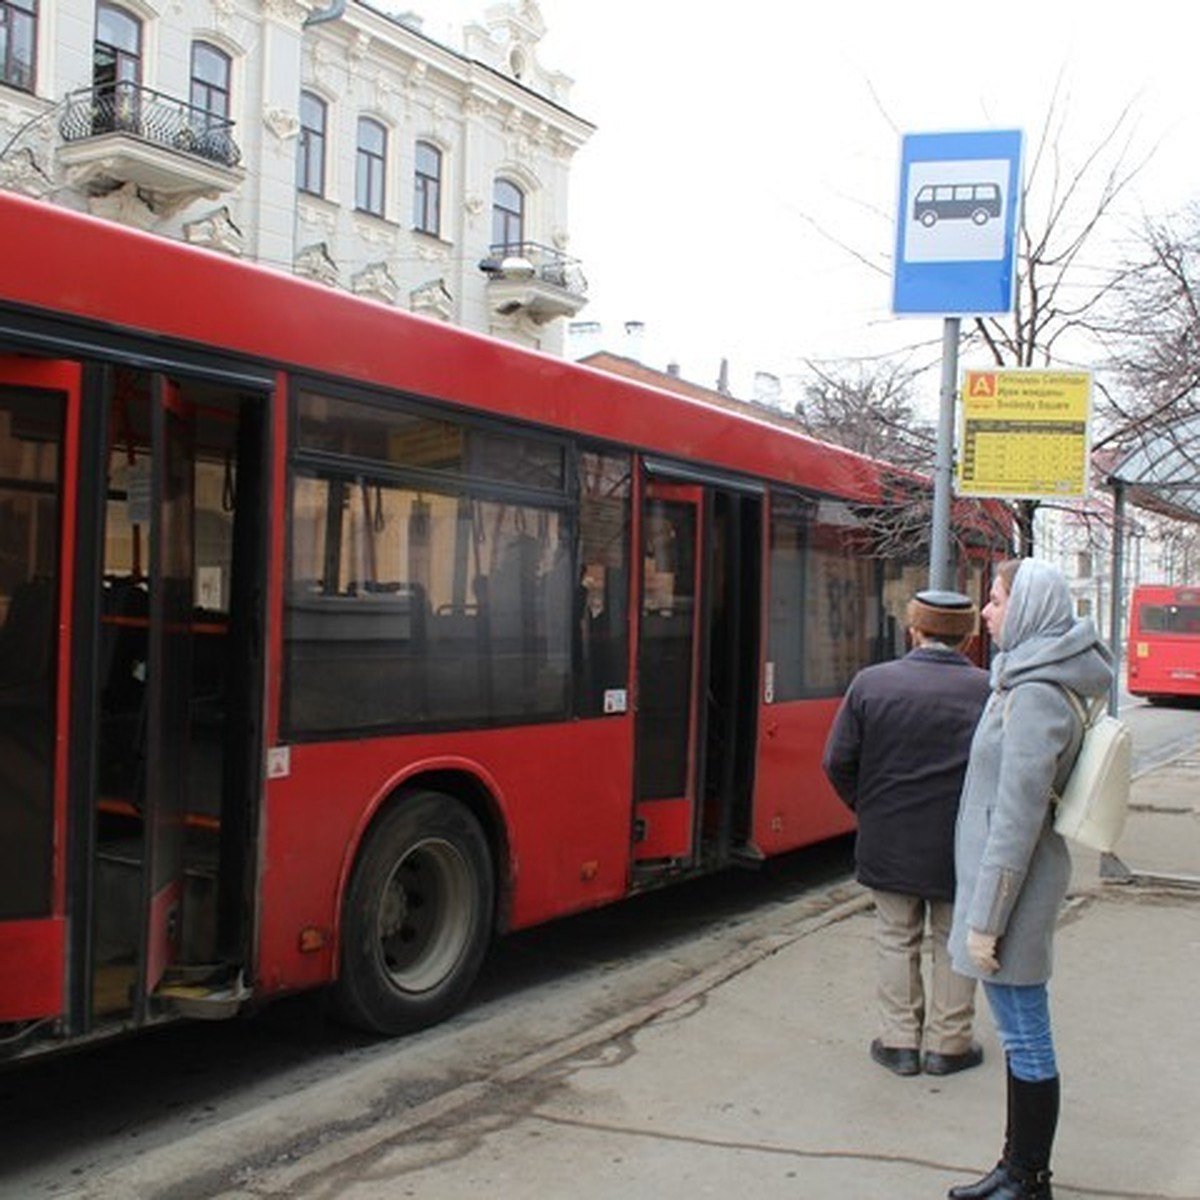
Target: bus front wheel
column 417, row 918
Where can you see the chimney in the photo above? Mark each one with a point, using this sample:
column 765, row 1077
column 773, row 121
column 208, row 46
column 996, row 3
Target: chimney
column 635, row 336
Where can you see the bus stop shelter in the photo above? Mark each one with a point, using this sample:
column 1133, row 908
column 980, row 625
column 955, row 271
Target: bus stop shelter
column 1161, row 475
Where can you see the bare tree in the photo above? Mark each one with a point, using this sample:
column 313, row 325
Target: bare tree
column 866, row 407
column 1154, row 330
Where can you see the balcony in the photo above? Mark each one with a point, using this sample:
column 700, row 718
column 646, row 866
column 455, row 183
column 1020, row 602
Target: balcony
column 525, row 277
column 123, row 133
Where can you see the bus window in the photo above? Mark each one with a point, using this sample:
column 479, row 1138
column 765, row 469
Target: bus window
column 30, row 441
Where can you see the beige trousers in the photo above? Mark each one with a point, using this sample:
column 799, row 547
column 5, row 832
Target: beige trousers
column 905, row 1020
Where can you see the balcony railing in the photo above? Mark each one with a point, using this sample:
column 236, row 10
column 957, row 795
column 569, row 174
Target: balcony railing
column 544, row 264
column 129, row 108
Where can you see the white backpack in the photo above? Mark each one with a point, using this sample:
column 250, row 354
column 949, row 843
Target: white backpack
column 1093, row 803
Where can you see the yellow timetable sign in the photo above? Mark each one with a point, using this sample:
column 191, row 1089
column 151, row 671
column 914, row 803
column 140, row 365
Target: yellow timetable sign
column 1025, row 433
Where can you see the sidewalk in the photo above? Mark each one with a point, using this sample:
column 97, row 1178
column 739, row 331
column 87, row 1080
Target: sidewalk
column 753, row 1081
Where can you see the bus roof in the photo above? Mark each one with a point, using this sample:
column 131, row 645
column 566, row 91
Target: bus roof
column 61, row 264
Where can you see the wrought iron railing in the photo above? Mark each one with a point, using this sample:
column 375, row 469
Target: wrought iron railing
column 549, row 265
column 163, row 120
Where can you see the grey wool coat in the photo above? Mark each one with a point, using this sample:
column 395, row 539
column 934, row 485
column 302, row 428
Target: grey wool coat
column 1012, row 868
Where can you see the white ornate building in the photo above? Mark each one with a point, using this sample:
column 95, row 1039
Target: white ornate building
column 338, row 142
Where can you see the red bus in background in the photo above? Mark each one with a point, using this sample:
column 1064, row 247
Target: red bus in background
column 1164, row 642
column 335, row 641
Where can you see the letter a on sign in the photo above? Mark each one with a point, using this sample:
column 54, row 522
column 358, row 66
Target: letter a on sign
column 983, row 383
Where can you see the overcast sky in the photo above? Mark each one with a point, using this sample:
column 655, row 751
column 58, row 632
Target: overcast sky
column 746, row 158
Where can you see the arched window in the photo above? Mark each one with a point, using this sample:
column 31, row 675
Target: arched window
column 210, row 85
column 508, row 217
column 18, row 43
column 427, row 190
column 310, row 153
column 118, row 50
column 116, row 68
column 370, row 165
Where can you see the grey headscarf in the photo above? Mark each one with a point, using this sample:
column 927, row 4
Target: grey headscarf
column 1039, row 624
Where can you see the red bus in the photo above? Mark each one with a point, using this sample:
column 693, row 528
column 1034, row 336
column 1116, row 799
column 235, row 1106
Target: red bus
column 335, row 640
column 1164, row 642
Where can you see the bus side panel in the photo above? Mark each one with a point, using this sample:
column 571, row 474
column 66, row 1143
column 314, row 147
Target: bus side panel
column 32, row 952
column 564, row 796
column 794, row 804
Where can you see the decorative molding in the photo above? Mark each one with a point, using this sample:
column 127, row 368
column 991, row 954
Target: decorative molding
column 432, row 299
column 282, row 122
column 125, row 205
column 287, row 12
column 316, row 214
column 315, row 262
column 376, row 282
column 20, row 173
column 374, row 232
column 432, row 254
column 216, row 231
column 223, row 13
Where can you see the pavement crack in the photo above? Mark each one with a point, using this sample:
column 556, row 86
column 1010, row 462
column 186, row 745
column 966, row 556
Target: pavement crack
column 816, row 1155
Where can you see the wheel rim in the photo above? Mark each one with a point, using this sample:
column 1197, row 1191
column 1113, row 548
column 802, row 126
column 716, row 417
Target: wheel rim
column 426, row 913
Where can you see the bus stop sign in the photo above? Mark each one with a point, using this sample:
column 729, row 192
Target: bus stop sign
column 956, row 224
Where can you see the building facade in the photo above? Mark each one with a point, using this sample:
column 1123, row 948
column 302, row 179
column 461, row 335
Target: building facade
column 340, row 142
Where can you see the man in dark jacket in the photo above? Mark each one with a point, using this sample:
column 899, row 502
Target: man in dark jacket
column 896, row 755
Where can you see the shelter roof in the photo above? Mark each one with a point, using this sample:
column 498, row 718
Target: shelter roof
column 1163, row 473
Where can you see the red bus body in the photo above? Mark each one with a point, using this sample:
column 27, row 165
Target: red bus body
column 1164, row 642
column 285, row 733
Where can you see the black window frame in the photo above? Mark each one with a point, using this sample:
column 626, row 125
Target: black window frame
column 311, row 144
column 427, row 189
column 202, row 92
column 370, row 168
column 507, row 217
column 21, row 14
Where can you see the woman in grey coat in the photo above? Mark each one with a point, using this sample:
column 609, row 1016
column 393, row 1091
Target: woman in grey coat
column 1012, row 868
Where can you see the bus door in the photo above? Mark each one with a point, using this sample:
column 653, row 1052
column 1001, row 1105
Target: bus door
column 698, row 673
column 39, row 403
column 665, row 776
column 168, row 682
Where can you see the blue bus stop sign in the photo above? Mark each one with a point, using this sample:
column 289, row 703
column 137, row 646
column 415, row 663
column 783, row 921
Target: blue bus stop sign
column 960, row 194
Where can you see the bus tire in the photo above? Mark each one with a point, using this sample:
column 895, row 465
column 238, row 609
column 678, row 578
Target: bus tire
column 417, row 919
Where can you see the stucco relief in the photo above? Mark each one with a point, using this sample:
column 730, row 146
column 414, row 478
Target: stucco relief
column 432, row 299
column 374, row 233
column 376, row 282
column 281, row 122
column 315, row 262
column 286, row 12
column 19, row 172
column 216, row 231
column 316, row 216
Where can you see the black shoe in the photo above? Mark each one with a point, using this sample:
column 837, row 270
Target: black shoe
column 948, row 1064
column 899, row 1060
column 989, row 1185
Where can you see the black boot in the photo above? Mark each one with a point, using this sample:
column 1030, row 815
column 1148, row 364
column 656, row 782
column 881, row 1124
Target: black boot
column 982, row 1188
column 1034, row 1122
column 988, row 1185
column 1024, row 1185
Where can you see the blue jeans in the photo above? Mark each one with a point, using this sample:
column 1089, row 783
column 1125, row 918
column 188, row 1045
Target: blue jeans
column 1022, row 1016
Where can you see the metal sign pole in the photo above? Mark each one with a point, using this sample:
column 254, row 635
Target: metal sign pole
column 940, row 577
